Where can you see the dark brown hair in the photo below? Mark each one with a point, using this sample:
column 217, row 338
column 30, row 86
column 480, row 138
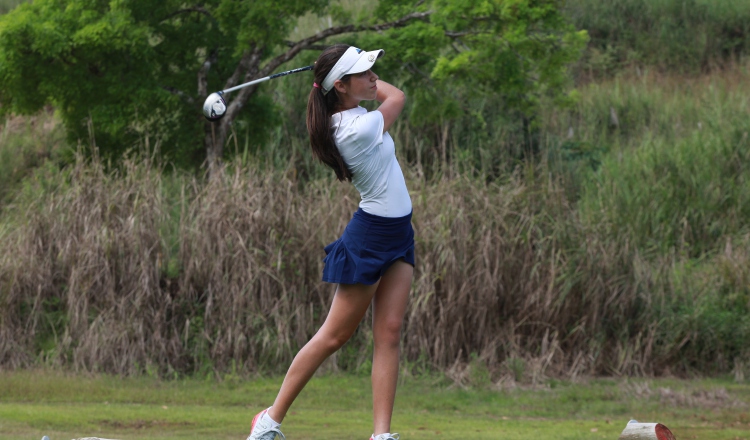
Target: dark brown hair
column 320, row 107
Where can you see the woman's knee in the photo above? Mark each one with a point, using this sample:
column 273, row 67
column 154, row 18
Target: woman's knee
column 388, row 333
column 331, row 342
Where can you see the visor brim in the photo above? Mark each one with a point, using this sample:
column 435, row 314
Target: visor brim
column 365, row 61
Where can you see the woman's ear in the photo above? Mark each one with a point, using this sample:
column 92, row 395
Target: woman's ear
column 339, row 86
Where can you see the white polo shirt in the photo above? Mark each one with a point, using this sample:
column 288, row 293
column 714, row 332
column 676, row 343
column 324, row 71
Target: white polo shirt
column 371, row 157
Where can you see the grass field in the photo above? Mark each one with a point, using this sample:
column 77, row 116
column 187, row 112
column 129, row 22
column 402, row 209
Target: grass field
column 33, row 404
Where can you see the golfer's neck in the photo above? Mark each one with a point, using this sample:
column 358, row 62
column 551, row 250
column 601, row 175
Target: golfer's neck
column 347, row 104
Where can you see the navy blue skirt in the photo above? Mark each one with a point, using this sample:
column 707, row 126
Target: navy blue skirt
column 367, row 248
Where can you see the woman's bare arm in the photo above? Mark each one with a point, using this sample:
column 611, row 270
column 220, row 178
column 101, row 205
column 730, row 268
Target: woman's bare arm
column 391, row 101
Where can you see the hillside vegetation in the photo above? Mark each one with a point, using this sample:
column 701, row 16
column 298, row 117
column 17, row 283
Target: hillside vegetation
column 609, row 236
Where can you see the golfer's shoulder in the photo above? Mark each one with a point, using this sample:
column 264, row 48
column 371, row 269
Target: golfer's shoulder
column 368, row 127
column 358, row 126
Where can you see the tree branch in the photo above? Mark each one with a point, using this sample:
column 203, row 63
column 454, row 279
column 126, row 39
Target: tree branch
column 203, row 74
column 247, row 65
column 337, row 30
column 198, row 9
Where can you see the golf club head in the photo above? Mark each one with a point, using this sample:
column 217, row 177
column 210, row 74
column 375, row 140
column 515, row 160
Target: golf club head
column 215, row 107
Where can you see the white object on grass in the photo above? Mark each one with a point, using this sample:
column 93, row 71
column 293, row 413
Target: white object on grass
column 92, row 438
column 646, row 431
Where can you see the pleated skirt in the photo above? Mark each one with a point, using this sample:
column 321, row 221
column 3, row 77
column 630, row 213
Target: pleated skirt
column 369, row 245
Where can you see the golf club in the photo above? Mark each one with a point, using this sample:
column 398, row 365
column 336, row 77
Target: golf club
column 214, row 108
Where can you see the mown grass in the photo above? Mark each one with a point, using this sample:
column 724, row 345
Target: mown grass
column 36, row 403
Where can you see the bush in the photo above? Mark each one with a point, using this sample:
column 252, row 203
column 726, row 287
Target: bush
column 679, row 196
column 26, row 143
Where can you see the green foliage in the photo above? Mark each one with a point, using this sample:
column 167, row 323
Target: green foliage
column 682, row 195
column 262, row 22
column 682, row 35
column 476, row 63
column 92, row 60
column 7, row 5
column 122, row 70
column 518, row 49
column 25, row 143
column 710, row 297
column 476, row 74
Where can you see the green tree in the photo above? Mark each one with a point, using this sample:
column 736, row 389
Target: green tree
column 121, row 70
column 475, row 60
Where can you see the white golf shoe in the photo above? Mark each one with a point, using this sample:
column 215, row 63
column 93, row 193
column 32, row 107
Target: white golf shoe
column 262, row 429
column 386, row 436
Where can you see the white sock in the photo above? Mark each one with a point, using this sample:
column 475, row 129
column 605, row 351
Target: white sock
column 267, row 419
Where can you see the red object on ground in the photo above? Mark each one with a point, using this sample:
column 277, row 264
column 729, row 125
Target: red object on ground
column 663, row 433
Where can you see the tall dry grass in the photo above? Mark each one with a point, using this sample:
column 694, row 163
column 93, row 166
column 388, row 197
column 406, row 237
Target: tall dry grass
column 138, row 270
column 98, row 265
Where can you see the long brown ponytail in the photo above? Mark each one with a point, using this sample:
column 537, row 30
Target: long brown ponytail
column 320, row 107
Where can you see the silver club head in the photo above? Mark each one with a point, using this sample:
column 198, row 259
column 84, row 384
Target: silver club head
column 215, row 107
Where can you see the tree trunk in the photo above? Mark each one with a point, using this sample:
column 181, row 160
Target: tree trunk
column 214, row 138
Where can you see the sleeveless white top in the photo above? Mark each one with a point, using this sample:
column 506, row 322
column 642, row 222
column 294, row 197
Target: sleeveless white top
column 371, row 157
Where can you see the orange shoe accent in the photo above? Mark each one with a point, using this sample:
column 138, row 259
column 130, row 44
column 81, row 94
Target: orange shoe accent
column 256, row 418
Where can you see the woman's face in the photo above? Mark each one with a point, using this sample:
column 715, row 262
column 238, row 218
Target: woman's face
column 361, row 87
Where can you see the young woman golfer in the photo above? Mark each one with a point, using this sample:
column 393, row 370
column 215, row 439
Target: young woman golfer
column 373, row 261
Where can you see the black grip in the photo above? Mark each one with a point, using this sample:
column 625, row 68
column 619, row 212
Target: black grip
column 301, row 69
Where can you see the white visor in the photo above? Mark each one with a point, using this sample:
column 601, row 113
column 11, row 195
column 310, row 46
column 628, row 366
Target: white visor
column 354, row 60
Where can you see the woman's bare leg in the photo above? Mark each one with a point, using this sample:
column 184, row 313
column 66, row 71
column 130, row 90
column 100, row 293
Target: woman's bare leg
column 389, row 307
column 349, row 306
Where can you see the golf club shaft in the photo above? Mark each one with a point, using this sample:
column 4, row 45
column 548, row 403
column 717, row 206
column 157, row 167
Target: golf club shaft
column 260, row 80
